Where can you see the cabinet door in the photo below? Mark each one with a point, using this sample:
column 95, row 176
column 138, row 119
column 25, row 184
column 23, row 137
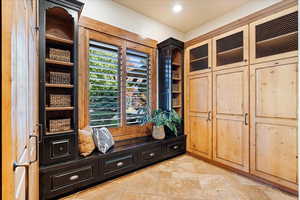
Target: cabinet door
column 199, row 114
column 274, row 37
column 231, row 49
column 273, row 87
column 230, row 121
column 199, row 58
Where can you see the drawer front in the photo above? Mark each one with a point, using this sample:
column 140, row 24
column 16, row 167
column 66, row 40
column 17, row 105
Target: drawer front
column 122, row 163
column 152, row 154
column 71, row 177
column 60, row 180
column 174, row 148
column 58, row 148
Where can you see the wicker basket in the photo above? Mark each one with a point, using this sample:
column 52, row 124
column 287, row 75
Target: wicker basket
column 175, row 87
column 59, row 125
column 175, row 102
column 60, row 78
column 59, row 100
column 60, row 55
column 175, row 74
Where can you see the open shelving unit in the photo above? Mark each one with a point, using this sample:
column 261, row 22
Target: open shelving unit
column 177, row 81
column 58, row 83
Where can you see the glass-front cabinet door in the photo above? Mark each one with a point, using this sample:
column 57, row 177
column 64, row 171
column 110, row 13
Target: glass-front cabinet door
column 231, row 49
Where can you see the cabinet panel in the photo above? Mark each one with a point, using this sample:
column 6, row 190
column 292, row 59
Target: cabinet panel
column 274, row 37
column 276, row 90
column 199, row 58
column 200, row 135
column 230, row 121
column 230, row 49
column 199, row 114
column 274, row 121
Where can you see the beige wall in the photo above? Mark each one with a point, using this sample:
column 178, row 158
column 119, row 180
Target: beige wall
column 246, row 9
column 112, row 13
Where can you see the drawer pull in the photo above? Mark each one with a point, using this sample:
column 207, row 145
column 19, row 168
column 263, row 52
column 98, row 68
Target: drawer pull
column 175, row 147
column 152, row 154
column 120, row 164
column 73, row 178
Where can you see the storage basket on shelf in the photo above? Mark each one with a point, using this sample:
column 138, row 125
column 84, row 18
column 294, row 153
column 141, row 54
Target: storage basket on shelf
column 59, row 55
column 175, row 87
column 60, row 78
column 175, row 74
column 59, row 100
column 57, row 125
column 175, row 102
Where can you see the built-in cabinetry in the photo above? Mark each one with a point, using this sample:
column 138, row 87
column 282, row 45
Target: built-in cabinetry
column 170, row 75
column 243, row 113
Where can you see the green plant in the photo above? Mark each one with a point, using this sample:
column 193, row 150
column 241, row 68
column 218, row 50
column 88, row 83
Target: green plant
column 163, row 118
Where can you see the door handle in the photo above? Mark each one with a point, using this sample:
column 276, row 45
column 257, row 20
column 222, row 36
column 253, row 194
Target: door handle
column 36, row 147
column 26, row 166
column 209, row 116
column 246, row 119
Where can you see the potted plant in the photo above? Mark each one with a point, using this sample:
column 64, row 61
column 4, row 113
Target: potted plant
column 162, row 119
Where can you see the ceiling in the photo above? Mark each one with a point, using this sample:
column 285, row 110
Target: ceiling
column 193, row 14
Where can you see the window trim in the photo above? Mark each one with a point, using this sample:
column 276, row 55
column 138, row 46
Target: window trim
column 124, row 131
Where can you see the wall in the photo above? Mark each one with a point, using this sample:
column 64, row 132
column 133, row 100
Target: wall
column 112, row 13
column 251, row 7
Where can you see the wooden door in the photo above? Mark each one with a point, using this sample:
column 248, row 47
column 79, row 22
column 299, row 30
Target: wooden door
column 274, row 37
column 230, row 118
column 273, row 88
column 231, row 49
column 199, row 114
column 19, row 89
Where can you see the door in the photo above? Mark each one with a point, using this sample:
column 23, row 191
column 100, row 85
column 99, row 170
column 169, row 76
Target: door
column 19, row 89
column 273, row 87
column 199, row 114
column 230, row 118
column 231, row 49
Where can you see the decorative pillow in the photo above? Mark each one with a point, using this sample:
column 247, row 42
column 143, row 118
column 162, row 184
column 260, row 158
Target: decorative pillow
column 103, row 139
column 86, row 142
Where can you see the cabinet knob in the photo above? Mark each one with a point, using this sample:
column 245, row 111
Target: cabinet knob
column 73, row 178
column 175, row 147
column 120, row 164
column 152, row 154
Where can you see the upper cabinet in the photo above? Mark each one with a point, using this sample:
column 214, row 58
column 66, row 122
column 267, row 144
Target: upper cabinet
column 231, row 49
column 199, row 57
column 275, row 36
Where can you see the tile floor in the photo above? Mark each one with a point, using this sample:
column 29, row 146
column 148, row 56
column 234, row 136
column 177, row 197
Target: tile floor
column 181, row 178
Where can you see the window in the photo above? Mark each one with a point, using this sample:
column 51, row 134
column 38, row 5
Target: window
column 104, row 85
column 106, row 80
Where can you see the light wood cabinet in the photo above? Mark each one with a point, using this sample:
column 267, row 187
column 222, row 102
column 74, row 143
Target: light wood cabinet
column 274, row 37
column 273, row 86
column 199, row 118
column 230, row 117
column 231, row 49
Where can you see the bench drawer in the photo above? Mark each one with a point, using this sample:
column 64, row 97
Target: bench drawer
column 152, row 154
column 118, row 164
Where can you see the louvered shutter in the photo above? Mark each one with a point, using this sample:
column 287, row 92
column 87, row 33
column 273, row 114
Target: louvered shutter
column 104, row 85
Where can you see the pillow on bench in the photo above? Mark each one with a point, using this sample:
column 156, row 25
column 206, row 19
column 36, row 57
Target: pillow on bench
column 85, row 141
column 103, row 139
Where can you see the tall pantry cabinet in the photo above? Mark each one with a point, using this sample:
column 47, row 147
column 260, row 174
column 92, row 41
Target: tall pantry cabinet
column 242, row 105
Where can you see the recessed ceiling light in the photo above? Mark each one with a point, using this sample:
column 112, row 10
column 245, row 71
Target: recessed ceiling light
column 177, row 8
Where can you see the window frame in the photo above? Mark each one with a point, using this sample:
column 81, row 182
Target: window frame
column 124, row 131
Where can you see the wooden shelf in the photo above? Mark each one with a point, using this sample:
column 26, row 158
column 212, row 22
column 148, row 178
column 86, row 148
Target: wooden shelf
column 176, row 106
column 58, row 39
column 203, row 58
column 55, row 62
column 176, row 64
column 176, row 79
column 279, row 40
column 59, row 132
column 59, row 108
column 176, row 92
column 231, row 52
column 59, row 85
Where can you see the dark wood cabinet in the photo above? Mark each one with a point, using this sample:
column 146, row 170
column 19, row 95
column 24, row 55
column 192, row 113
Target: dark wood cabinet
column 126, row 156
column 170, row 75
